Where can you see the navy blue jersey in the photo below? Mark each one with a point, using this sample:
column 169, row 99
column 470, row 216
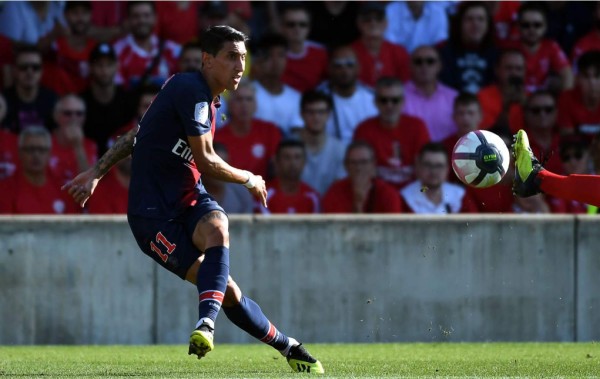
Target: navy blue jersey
column 164, row 177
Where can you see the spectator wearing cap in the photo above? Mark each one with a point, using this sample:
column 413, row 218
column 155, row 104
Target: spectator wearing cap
column 306, row 64
column 579, row 108
column 144, row 57
column 590, row 41
column 108, row 105
column 376, row 56
column 415, row 23
column 29, row 103
column 73, row 49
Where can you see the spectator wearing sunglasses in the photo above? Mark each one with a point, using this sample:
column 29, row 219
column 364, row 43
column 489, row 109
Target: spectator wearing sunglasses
column 378, row 57
column 396, row 137
column 579, row 108
column 306, row 65
column 72, row 152
column 540, row 117
column 547, row 65
column 425, row 92
column 29, row 103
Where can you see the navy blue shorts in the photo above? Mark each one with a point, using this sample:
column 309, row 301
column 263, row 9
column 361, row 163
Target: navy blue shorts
column 169, row 242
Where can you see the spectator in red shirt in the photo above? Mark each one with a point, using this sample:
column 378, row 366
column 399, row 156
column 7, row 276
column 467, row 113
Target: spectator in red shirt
column 396, row 137
column 287, row 193
column 142, row 56
column 73, row 49
column 72, row 152
column 590, row 41
column 8, row 146
column 251, row 142
column 547, row 65
column 540, row 124
column 29, row 103
column 111, row 194
column 502, row 102
column 361, row 191
column 579, row 108
column 33, row 189
column 378, row 57
column 431, row 193
column 306, row 64
column 190, row 58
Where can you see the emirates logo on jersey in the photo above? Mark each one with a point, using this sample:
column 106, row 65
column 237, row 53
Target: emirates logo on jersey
column 201, row 113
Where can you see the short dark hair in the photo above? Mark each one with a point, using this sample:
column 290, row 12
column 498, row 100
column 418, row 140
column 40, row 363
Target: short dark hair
column 531, row 6
column 589, row 59
column 213, row 38
column 131, row 4
column 466, row 98
column 539, row 92
column 27, row 49
column 290, row 143
column 388, row 81
column 359, row 144
column 455, row 35
column 289, row 6
column 432, row 147
column 506, row 52
column 269, row 41
column 193, row 45
column 310, row 97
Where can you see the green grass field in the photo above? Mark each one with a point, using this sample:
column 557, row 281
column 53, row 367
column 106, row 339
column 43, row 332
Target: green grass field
column 484, row 360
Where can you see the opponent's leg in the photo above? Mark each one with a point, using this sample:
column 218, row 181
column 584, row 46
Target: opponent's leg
column 211, row 236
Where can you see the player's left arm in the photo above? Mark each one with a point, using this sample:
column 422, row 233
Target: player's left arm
column 209, row 163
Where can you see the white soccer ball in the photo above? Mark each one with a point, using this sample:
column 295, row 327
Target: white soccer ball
column 480, row 159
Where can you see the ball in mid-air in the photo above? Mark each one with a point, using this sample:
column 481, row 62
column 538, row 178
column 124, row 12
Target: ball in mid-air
column 480, row 159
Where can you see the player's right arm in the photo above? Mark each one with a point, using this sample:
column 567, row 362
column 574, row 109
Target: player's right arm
column 209, row 163
column 82, row 186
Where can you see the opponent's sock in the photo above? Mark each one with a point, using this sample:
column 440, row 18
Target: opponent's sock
column 211, row 281
column 248, row 316
column 582, row 188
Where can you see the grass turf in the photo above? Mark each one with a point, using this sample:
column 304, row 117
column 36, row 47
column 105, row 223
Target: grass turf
column 415, row 360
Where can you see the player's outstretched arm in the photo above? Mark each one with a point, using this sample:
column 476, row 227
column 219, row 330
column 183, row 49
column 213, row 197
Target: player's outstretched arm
column 83, row 185
column 210, row 163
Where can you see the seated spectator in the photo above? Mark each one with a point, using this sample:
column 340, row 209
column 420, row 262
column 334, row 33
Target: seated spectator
column 232, row 197
column 36, row 23
column 29, row 103
column 431, row 193
column 590, row 41
column 108, row 105
column 111, row 194
column 333, row 22
column 415, row 23
column 395, row 137
column 251, row 143
column 8, row 146
column 143, row 57
column 579, row 108
column 547, row 65
column 376, row 56
column 575, row 158
column 502, row 102
column 324, row 153
column 469, row 54
column 287, row 193
column 352, row 101
column 540, row 124
column 73, row 49
column 277, row 102
column 425, row 92
column 306, row 64
column 361, row 191
column 72, row 152
column 466, row 114
column 33, row 189
column 190, row 58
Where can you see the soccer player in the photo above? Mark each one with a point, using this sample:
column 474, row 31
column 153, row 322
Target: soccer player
column 174, row 220
column 531, row 178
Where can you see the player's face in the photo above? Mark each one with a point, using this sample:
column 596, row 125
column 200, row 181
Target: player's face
column 474, row 25
column 79, row 20
column 532, row 27
column 389, row 101
column 467, row 117
column 315, row 116
column 29, row 70
column 589, row 82
column 34, row 154
column 228, row 66
column 242, row 104
column 425, row 65
column 103, row 72
column 142, row 20
column 360, row 162
column 432, row 169
column 296, row 25
column 541, row 112
column 290, row 163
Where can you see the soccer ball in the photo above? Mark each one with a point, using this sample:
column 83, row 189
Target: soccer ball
column 480, row 159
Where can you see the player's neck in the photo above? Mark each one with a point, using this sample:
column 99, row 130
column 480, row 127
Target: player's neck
column 215, row 88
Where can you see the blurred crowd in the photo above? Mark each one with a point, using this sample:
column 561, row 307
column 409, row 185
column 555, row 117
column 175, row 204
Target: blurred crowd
column 347, row 107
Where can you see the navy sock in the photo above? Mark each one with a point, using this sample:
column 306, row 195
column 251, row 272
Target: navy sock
column 248, row 316
column 211, row 281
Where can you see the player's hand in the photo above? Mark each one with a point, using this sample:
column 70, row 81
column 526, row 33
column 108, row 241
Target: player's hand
column 82, row 186
column 259, row 190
